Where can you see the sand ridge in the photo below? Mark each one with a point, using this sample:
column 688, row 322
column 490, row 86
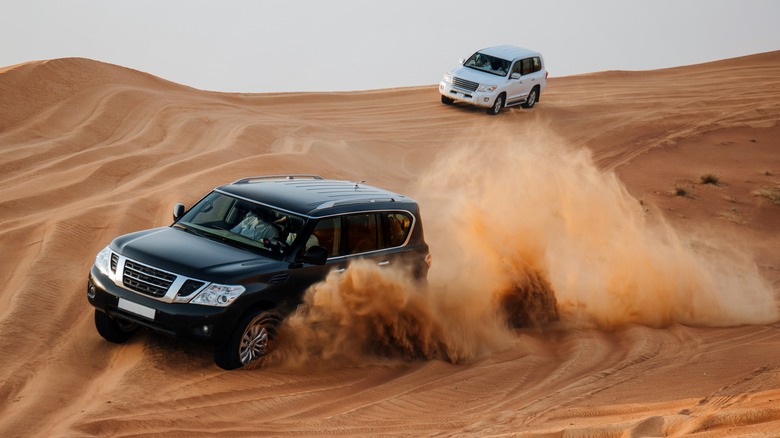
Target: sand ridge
column 92, row 150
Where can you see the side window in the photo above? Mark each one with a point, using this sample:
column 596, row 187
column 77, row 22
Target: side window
column 327, row 233
column 396, row 227
column 537, row 62
column 527, row 66
column 516, row 68
column 362, row 233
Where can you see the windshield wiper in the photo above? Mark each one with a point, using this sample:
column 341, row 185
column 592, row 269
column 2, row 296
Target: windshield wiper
column 188, row 229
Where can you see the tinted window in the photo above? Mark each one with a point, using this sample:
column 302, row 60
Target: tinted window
column 362, row 233
column 396, row 228
column 328, row 235
column 527, row 66
column 516, row 68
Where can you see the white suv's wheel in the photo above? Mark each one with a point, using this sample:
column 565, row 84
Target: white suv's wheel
column 533, row 96
column 497, row 105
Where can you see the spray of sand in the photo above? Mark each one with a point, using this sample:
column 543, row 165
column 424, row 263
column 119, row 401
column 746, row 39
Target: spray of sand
column 524, row 232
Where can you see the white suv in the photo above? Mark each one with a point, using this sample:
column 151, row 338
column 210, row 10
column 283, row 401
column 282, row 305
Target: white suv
column 496, row 77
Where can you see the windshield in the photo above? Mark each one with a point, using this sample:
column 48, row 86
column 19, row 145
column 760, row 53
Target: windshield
column 489, row 64
column 243, row 224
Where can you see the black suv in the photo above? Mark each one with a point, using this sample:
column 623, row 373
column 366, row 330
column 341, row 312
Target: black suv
column 228, row 270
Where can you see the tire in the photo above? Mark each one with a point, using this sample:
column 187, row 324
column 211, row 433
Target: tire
column 251, row 342
column 113, row 329
column 446, row 100
column 533, row 97
column 497, row 105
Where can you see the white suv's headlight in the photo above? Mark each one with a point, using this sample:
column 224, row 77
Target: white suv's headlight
column 447, row 78
column 103, row 261
column 219, row 295
column 485, row 88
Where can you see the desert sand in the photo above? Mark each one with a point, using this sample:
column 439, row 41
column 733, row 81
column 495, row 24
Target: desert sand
column 648, row 201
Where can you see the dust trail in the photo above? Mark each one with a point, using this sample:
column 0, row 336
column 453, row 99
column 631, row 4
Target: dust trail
column 372, row 310
column 524, row 232
column 505, row 207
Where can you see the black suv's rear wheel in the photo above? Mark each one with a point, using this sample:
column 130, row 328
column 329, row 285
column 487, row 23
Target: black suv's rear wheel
column 113, row 329
column 251, row 342
column 497, row 105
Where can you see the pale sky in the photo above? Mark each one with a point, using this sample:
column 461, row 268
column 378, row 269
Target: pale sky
column 333, row 45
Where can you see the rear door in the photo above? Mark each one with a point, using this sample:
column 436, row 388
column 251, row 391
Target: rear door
column 534, row 73
column 380, row 237
column 531, row 75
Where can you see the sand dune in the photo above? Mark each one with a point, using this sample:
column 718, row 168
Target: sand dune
column 667, row 285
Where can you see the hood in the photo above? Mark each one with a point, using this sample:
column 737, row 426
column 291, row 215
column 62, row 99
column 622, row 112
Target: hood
column 180, row 252
column 480, row 77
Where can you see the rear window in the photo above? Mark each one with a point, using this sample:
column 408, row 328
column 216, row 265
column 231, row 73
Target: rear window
column 527, row 65
column 362, row 232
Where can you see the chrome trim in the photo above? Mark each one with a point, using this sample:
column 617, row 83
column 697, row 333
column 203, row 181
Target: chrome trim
column 170, row 295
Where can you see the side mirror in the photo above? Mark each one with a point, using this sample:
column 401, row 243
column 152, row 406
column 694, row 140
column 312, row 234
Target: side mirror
column 515, row 76
column 316, row 255
column 178, row 211
column 461, row 61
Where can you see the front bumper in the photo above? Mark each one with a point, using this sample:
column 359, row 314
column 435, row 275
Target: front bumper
column 189, row 322
column 476, row 98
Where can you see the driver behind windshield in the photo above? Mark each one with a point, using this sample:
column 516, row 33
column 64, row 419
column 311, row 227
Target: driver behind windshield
column 256, row 226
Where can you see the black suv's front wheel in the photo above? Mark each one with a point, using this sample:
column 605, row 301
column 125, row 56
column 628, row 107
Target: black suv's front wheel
column 114, row 329
column 253, row 339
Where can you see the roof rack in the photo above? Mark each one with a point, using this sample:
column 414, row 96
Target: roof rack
column 330, row 204
column 253, row 179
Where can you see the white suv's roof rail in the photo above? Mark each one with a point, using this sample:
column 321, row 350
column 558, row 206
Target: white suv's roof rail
column 253, row 179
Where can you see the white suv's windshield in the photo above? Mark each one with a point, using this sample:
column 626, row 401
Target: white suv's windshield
column 489, row 64
column 242, row 223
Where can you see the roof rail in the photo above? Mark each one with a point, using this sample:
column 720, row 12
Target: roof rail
column 330, row 204
column 253, row 179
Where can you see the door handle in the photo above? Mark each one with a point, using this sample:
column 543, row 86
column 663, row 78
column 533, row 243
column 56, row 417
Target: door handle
column 384, row 263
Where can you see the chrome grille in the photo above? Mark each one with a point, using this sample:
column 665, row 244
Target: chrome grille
column 464, row 84
column 114, row 261
column 146, row 279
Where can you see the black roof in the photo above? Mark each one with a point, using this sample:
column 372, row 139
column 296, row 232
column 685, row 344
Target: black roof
column 313, row 195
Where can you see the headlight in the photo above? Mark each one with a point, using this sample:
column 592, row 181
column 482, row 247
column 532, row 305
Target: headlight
column 447, row 78
column 103, row 261
column 487, row 88
column 219, row 295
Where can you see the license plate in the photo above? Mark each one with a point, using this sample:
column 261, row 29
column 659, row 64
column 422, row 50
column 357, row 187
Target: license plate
column 136, row 308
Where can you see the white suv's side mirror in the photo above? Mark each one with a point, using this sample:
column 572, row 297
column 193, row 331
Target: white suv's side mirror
column 515, row 76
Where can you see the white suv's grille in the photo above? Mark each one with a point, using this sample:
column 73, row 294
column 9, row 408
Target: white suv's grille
column 146, row 279
column 464, row 84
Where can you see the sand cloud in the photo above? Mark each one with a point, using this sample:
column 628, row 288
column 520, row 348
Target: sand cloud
column 525, row 232
column 514, row 204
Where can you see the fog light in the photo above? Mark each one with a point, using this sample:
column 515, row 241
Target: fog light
column 486, row 99
column 206, row 329
column 91, row 291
